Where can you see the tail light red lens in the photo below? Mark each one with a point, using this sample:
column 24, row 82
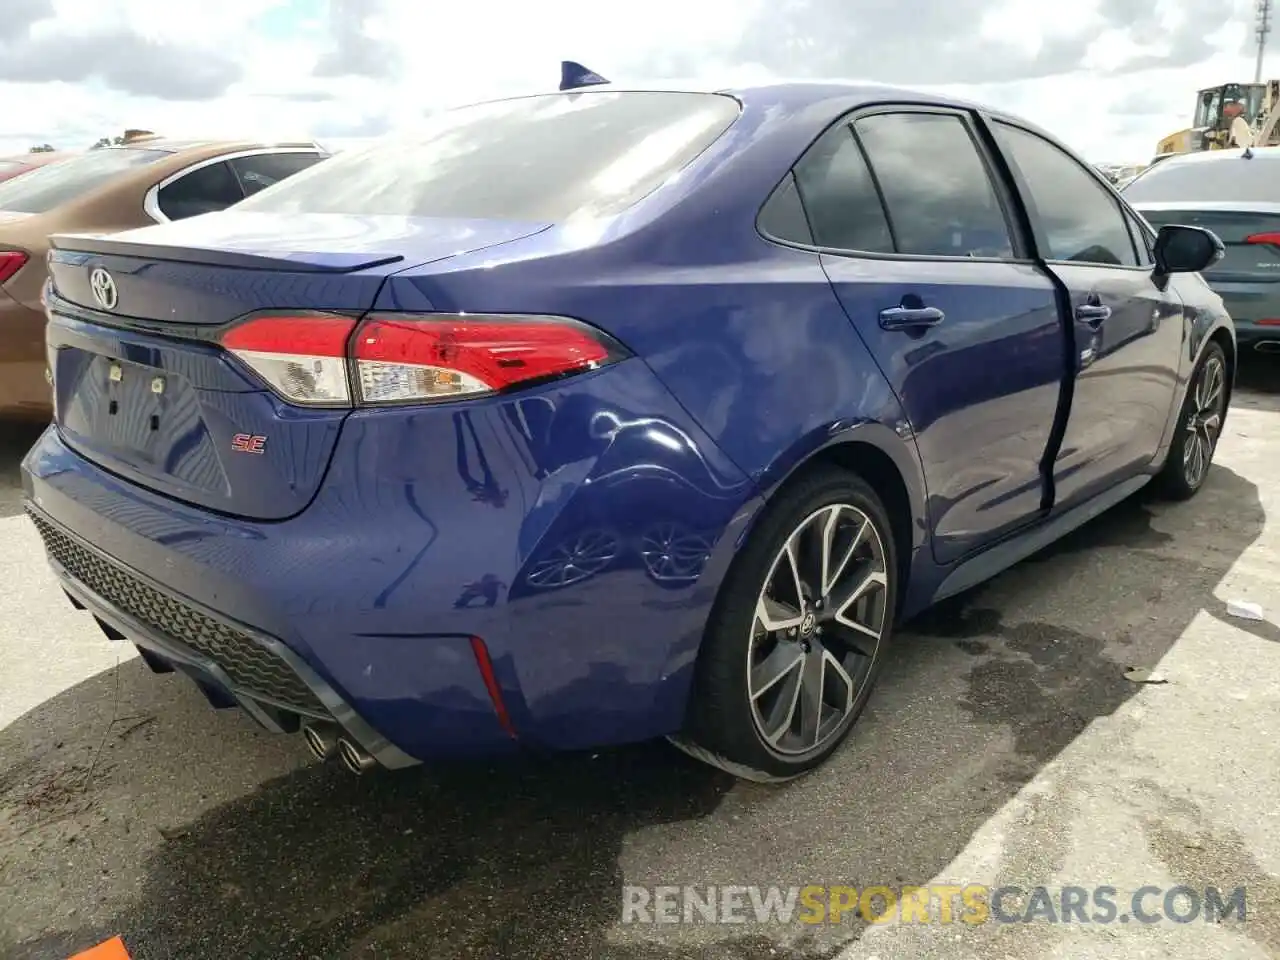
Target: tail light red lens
column 11, row 261
column 403, row 359
column 310, row 359
column 301, row 356
column 1272, row 239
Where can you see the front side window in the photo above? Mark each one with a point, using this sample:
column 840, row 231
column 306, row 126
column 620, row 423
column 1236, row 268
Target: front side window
column 1080, row 219
column 1141, row 240
column 539, row 159
column 54, row 184
column 940, row 198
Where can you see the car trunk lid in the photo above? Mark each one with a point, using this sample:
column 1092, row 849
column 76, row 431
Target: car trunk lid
column 1250, row 232
column 142, row 384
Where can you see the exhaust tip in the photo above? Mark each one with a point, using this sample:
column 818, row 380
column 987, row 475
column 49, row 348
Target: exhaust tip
column 1267, row 346
column 355, row 758
column 320, row 741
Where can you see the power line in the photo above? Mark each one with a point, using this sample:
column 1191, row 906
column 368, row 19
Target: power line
column 1262, row 27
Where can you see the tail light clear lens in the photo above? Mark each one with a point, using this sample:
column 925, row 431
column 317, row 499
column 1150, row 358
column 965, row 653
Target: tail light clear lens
column 11, row 261
column 309, row 359
column 402, row 359
column 302, row 356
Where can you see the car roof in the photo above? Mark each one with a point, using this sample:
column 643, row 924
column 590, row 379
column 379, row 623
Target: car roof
column 209, row 146
column 1222, row 156
column 806, row 98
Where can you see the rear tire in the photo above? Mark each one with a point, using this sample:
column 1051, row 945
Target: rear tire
column 1198, row 428
column 797, row 637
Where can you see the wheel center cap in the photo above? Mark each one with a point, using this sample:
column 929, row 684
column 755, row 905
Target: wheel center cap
column 807, row 623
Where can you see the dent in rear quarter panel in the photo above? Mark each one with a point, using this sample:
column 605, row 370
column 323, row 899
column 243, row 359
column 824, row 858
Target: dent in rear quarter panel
column 597, row 509
column 749, row 337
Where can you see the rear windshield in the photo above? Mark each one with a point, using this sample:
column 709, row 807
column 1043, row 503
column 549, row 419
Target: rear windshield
column 545, row 158
column 54, row 184
column 1227, row 179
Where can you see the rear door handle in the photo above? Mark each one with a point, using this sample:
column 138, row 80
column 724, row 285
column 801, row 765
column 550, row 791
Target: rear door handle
column 1092, row 313
column 903, row 318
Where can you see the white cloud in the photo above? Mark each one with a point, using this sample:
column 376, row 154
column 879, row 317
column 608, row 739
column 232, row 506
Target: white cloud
column 445, row 54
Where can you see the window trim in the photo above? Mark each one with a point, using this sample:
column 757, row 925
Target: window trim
column 151, row 201
column 1038, row 234
column 1007, row 197
column 1136, row 222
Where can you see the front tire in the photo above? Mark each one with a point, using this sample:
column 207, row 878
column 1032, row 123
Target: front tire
column 1198, row 428
column 797, row 637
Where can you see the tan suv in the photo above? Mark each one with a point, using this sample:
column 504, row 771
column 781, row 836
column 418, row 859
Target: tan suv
column 152, row 180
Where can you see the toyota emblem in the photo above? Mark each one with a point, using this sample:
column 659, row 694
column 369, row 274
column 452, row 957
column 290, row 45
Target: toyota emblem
column 104, row 288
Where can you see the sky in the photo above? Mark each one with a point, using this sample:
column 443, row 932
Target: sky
column 1109, row 77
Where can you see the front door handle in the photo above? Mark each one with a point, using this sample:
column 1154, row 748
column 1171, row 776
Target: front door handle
column 1092, row 313
column 904, row 318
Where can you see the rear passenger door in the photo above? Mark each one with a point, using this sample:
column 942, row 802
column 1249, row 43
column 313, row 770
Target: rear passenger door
column 1127, row 328
column 917, row 240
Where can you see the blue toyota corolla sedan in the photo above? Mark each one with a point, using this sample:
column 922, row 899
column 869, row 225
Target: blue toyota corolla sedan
column 611, row 414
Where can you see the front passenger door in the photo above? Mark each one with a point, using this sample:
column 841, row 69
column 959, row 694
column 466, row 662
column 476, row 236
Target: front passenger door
column 1127, row 328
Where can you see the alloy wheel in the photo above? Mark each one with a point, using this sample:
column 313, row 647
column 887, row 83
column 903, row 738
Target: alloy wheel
column 819, row 622
column 1204, row 422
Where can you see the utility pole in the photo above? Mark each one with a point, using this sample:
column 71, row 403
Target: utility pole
column 1262, row 27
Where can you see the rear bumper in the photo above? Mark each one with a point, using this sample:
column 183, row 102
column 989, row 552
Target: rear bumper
column 430, row 529
column 1253, row 337
column 232, row 663
column 24, row 392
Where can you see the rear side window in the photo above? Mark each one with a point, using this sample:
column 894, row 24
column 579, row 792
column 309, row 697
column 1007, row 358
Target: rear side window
column 1228, row 179
column 1080, row 219
column 840, row 196
column 545, row 158
column 936, row 187
column 203, row 190
column 54, row 184
column 267, row 169
column 783, row 215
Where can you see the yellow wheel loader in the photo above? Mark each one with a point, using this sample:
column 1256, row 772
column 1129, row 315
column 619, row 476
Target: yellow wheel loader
column 1231, row 115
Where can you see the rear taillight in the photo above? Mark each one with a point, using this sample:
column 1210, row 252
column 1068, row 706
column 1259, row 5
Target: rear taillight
column 302, row 356
column 403, row 359
column 11, row 261
column 310, row 359
column 1271, row 239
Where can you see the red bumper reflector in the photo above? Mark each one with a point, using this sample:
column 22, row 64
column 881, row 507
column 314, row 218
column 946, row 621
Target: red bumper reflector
column 491, row 684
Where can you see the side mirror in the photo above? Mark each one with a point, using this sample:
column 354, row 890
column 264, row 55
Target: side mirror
column 1181, row 249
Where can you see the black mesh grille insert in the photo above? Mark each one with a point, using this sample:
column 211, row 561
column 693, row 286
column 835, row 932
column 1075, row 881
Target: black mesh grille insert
column 251, row 667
